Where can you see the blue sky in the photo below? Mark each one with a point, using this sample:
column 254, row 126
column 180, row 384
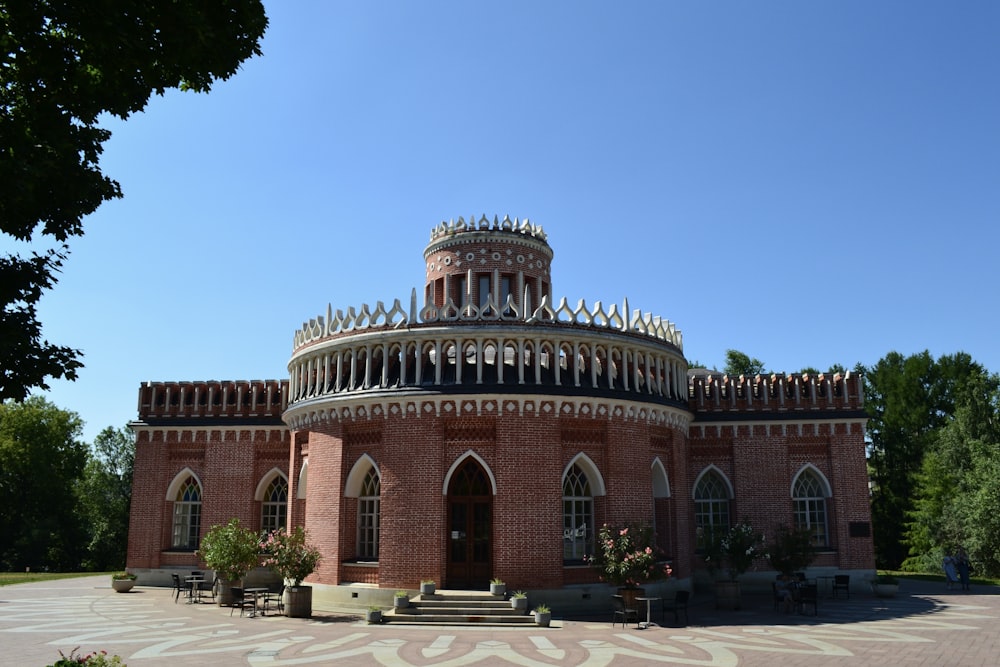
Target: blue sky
column 808, row 182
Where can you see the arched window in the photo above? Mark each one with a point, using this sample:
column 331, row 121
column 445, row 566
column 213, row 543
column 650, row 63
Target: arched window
column 809, row 506
column 368, row 516
column 711, row 506
column 578, row 514
column 187, row 515
column 274, row 506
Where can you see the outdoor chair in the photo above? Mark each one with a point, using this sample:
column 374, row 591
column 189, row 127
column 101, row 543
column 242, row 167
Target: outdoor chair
column 679, row 604
column 777, row 596
column 785, row 596
column 208, row 588
column 240, row 601
column 842, row 582
column 620, row 610
column 809, row 595
column 275, row 594
column 177, row 586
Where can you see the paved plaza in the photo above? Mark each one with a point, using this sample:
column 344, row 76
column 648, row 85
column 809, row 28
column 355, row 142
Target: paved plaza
column 925, row 625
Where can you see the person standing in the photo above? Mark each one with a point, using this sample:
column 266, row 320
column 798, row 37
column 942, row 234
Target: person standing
column 962, row 564
column 950, row 575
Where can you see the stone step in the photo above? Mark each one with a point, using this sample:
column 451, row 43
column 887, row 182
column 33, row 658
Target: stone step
column 458, row 608
column 417, row 609
column 457, row 619
column 461, row 596
column 425, row 603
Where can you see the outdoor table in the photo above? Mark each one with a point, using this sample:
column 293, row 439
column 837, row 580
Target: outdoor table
column 827, row 585
column 256, row 594
column 649, row 612
column 193, row 584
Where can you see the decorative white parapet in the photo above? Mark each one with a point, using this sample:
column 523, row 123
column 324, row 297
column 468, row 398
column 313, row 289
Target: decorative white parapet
column 367, row 318
column 450, row 228
column 777, row 391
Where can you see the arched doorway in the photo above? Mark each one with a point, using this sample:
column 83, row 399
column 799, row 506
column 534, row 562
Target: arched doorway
column 470, row 525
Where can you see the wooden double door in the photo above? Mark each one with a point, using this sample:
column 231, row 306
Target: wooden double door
column 470, row 528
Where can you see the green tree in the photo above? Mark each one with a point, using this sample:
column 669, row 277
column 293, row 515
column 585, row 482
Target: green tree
column 908, row 399
column 105, row 494
column 959, row 483
column 41, row 461
column 62, row 65
column 812, row 370
column 738, row 364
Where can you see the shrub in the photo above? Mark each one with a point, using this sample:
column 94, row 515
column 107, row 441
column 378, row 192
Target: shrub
column 96, row 659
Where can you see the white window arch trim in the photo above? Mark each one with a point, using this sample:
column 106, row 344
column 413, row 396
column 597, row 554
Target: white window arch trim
column 300, row 490
column 462, row 459
column 175, row 485
column 265, row 482
column 597, row 487
column 712, row 468
column 809, row 467
column 661, row 482
column 356, row 478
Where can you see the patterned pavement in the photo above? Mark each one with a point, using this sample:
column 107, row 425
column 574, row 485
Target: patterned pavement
column 925, row 625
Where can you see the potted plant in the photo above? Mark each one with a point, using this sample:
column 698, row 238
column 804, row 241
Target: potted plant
column 885, row 585
column 519, row 601
column 373, row 615
column 401, row 600
column 427, row 587
column 791, row 550
column 733, row 552
column 122, row 582
column 626, row 557
column 543, row 615
column 232, row 551
column 497, row 587
column 95, row 659
column 293, row 559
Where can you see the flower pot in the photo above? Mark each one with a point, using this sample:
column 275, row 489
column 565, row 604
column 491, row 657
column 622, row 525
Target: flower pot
column 543, row 618
column 629, row 595
column 122, row 585
column 400, row 602
column 225, row 596
column 298, row 601
column 728, row 595
column 373, row 616
column 519, row 604
column 427, row 588
column 498, row 589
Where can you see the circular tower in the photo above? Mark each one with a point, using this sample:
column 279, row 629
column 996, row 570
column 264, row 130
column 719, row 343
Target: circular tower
column 483, row 430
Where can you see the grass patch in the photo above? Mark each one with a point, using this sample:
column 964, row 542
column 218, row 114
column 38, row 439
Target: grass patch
column 8, row 578
column 931, row 576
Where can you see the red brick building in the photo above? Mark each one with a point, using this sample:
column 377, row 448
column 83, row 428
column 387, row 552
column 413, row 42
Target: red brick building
column 485, row 430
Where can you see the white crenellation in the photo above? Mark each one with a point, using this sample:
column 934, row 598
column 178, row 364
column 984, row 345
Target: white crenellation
column 781, row 392
column 366, row 318
column 450, row 228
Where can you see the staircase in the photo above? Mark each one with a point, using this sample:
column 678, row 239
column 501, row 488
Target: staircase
column 458, row 608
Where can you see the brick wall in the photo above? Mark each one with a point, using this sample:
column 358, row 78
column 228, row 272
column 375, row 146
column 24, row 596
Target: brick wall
column 526, row 450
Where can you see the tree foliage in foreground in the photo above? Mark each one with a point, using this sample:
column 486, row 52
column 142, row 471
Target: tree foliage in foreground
column 41, row 460
column 908, row 399
column 105, row 494
column 63, row 63
column 958, row 486
column 64, row 506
